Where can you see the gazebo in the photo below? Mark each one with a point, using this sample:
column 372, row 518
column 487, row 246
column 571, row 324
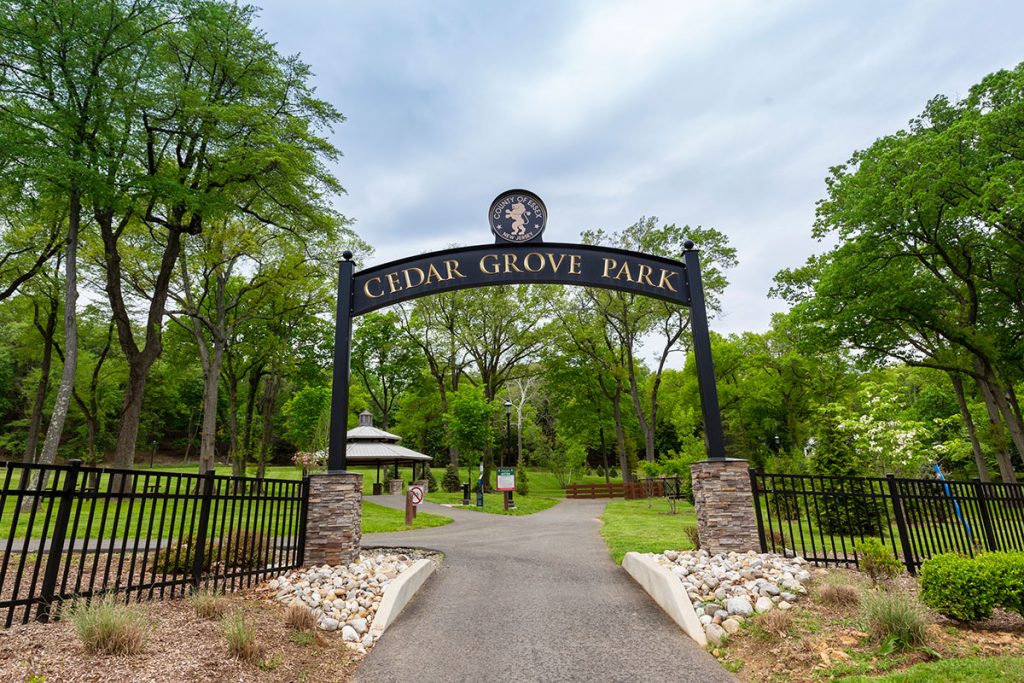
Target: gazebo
column 368, row 445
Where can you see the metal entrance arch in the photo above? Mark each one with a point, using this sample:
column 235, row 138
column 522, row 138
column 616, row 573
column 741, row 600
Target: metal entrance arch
column 526, row 263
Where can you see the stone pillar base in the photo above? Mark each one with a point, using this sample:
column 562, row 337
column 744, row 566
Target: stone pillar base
column 725, row 506
column 394, row 487
column 334, row 518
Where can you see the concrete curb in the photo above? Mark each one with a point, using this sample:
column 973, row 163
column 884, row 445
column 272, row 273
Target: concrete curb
column 667, row 590
column 399, row 592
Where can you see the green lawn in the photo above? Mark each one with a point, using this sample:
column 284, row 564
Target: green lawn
column 493, row 503
column 972, row 670
column 645, row 526
column 378, row 518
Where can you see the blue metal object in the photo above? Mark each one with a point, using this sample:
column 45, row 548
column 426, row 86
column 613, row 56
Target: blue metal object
column 956, row 505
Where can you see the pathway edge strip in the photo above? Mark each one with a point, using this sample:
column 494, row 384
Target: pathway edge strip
column 667, row 591
column 399, row 592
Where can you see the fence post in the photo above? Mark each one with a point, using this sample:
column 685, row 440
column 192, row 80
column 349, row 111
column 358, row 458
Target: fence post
column 199, row 542
column 60, row 526
column 986, row 519
column 757, row 510
column 300, row 552
column 901, row 523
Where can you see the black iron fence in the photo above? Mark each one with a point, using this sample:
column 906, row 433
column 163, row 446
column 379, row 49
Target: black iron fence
column 70, row 531
column 822, row 518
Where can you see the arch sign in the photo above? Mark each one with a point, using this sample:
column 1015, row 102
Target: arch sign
column 519, row 256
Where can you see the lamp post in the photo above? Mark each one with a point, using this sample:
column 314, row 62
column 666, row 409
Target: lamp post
column 508, row 440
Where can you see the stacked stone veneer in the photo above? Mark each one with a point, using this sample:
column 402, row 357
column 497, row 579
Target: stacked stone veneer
column 395, row 487
column 725, row 506
column 334, row 518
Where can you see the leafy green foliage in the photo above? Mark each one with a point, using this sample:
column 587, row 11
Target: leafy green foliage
column 968, row 589
column 522, row 482
column 876, row 560
column 959, row 587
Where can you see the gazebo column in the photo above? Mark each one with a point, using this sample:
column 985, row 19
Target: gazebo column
column 395, row 485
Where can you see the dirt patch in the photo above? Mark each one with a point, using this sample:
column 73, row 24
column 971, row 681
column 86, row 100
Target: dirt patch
column 180, row 647
column 825, row 641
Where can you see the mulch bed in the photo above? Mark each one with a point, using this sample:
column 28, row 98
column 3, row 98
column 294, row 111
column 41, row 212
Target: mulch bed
column 180, row 648
column 825, row 642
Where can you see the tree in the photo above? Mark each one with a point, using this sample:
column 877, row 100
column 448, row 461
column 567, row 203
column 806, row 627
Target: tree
column 386, row 362
column 633, row 319
column 230, row 128
column 469, row 422
column 927, row 268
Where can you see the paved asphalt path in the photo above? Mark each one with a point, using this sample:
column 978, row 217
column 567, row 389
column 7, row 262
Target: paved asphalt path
column 533, row 598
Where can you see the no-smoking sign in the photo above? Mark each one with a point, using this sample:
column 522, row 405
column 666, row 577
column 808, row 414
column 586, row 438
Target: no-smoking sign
column 416, row 494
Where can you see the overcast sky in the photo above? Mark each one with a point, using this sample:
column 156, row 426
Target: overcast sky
column 721, row 114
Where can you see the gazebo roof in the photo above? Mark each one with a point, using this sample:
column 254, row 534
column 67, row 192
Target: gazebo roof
column 367, row 432
column 367, row 444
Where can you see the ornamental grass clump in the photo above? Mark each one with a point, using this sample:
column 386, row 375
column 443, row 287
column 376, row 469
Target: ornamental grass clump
column 895, row 620
column 836, row 594
column 300, row 618
column 208, row 604
column 109, row 627
column 241, row 637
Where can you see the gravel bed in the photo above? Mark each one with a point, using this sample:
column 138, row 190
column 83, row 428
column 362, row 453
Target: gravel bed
column 727, row 588
column 345, row 598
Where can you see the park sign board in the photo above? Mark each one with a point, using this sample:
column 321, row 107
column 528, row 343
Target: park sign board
column 517, row 219
column 506, row 479
column 571, row 264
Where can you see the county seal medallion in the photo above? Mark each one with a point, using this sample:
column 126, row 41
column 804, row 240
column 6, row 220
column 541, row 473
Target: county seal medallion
column 518, row 216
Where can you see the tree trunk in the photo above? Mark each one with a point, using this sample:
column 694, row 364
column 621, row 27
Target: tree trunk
column 604, row 458
column 250, row 410
column 237, row 462
column 267, row 406
column 211, row 389
column 67, row 379
column 972, row 432
column 998, row 433
column 36, row 419
column 620, row 437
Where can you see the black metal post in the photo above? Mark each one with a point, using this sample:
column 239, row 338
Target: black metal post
column 199, row 539
column 901, row 523
column 60, row 526
column 757, row 509
column 336, row 461
column 713, row 437
column 300, row 550
column 509, row 502
column 986, row 518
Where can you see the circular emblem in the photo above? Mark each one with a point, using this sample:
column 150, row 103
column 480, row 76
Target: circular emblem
column 518, row 216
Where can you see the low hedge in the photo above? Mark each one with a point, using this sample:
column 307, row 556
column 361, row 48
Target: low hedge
column 968, row 588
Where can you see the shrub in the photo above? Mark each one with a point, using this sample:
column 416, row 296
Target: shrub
column 967, row 589
column 243, row 549
column 895, row 619
column 451, row 482
column 300, row 618
column 522, row 483
column 693, row 535
column 430, row 479
column 208, row 604
column 877, row 561
column 109, row 627
column 241, row 637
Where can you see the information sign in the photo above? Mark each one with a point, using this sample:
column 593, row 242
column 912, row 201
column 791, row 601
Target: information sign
column 506, row 479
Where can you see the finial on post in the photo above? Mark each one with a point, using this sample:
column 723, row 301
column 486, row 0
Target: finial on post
column 688, row 245
column 347, row 255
